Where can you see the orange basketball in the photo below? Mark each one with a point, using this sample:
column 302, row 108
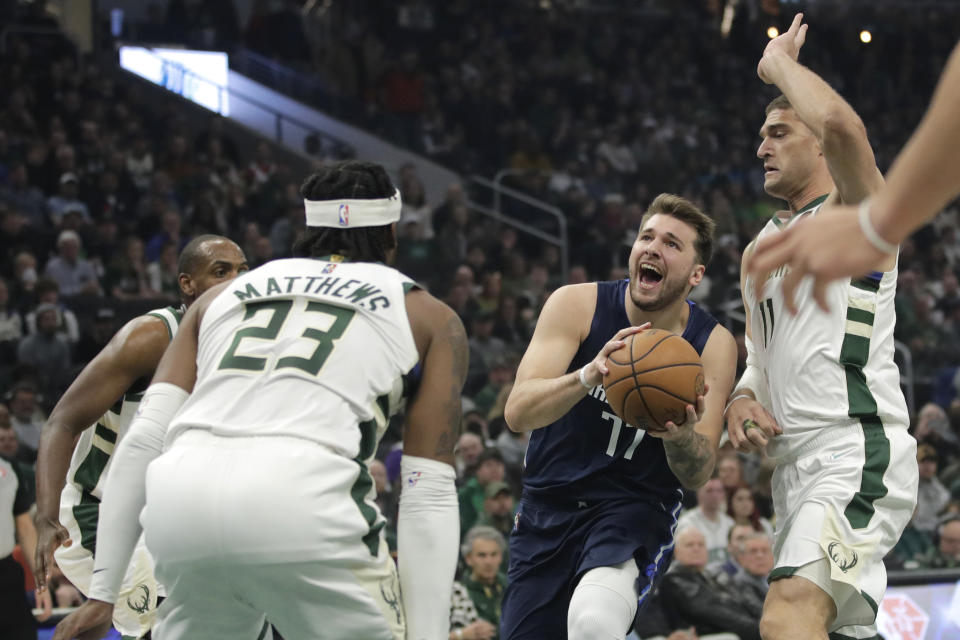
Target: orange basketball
column 652, row 379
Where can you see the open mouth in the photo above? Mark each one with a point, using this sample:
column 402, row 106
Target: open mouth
column 650, row 276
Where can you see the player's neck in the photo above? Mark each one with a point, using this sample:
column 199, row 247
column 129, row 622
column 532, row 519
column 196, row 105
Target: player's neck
column 673, row 317
column 808, row 194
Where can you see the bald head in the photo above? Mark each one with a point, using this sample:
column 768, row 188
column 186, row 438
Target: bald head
column 208, row 260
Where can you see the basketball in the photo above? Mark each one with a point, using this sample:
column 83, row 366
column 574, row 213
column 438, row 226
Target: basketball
column 652, row 379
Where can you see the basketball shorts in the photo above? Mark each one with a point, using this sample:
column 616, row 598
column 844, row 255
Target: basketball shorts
column 842, row 502
column 136, row 605
column 279, row 530
column 553, row 544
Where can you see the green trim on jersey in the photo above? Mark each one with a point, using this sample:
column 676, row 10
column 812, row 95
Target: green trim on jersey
column 840, row 636
column 166, row 323
column 86, row 514
column 813, row 203
column 866, row 284
column 410, row 286
column 89, row 472
column 854, row 353
column 176, row 314
column 780, row 224
column 361, row 487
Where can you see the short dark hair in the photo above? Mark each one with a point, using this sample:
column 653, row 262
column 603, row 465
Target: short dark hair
column 685, row 211
column 357, row 181
column 780, row 102
column 191, row 258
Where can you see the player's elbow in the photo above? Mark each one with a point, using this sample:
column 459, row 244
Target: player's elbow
column 841, row 123
column 512, row 416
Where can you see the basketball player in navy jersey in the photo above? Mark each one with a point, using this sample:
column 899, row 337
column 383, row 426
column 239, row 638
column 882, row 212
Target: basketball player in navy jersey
column 601, row 498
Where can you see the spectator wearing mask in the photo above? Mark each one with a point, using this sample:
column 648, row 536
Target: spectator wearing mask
column 691, row 598
column 74, row 275
column 475, row 609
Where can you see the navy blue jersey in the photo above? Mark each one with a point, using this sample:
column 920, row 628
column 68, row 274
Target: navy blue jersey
column 590, row 453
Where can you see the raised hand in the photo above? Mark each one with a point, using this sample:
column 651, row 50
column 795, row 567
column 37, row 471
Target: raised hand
column 788, row 42
column 595, row 370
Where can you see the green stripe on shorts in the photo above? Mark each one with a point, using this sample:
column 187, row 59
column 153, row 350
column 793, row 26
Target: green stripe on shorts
column 363, row 484
column 854, row 353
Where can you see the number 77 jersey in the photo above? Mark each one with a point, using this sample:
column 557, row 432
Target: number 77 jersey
column 826, row 369
column 305, row 348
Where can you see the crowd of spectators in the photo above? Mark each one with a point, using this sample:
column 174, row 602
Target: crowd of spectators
column 100, row 189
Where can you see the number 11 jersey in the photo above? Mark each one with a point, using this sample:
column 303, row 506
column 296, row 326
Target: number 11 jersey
column 309, row 348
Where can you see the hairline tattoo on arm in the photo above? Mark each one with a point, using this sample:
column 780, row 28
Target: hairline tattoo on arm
column 453, row 331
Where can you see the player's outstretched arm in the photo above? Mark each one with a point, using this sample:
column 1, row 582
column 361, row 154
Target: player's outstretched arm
column 924, row 177
column 131, row 354
column 543, row 391
column 842, row 135
column 124, row 494
column 692, row 447
column 749, row 425
column 428, row 524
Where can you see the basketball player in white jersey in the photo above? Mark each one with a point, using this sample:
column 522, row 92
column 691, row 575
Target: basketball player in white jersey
column 90, row 419
column 847, row 241
column 267, row 409
column 821, row 391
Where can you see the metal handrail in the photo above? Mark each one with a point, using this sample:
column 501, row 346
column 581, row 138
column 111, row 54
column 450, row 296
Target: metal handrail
column 561, row 239
column 279, row 116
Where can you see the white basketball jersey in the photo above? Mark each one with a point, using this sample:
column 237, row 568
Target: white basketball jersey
column 827, row 368
column 94, row 450
column 305, row 348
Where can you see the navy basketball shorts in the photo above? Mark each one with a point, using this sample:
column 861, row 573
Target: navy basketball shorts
column 554, row 543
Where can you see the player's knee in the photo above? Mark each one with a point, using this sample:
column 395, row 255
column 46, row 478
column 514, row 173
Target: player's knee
column 795, row 608
column 597, row 613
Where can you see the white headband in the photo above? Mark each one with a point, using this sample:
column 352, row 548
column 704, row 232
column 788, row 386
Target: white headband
column 347, row 214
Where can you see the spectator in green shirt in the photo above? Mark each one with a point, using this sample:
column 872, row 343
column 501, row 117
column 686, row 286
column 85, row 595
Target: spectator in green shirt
column 477, row 596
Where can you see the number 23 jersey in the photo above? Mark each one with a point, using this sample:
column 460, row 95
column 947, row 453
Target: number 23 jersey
column 302, row 347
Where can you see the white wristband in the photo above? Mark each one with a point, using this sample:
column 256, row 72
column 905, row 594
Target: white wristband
column 734, row 399
column 582, row 377
column 866, row 226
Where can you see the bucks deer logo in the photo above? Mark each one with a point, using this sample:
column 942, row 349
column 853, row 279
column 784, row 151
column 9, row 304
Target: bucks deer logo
column 844, row 558
column 142, row 604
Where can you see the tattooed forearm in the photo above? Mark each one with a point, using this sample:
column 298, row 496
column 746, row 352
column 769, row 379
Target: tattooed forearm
column 690, row 459
column 456, row 337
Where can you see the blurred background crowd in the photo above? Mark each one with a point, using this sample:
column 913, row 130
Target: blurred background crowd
column 590, row 107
